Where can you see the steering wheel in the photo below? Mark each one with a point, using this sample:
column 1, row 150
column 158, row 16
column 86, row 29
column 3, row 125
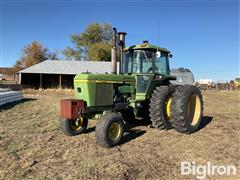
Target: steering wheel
column 152, row 68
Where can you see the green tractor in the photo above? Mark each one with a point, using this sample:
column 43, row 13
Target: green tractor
column 141, row 88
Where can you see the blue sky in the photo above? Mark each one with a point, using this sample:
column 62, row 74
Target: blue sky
column 202, row 35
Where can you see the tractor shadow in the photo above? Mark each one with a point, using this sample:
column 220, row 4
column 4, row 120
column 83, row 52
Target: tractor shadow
column 136, row 123
column 89, row 130
column 205, row 121
column 130, row 133
column 12, row 104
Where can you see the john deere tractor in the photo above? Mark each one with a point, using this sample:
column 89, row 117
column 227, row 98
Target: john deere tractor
column 139, row 88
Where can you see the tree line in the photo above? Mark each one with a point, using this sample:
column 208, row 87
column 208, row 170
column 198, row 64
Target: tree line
column 94, row 44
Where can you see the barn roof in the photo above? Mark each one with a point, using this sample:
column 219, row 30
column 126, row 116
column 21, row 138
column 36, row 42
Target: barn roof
column 68, row 67
column 77, row 67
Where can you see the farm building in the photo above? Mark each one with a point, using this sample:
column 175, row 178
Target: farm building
column 60, row 73
column 205, row 81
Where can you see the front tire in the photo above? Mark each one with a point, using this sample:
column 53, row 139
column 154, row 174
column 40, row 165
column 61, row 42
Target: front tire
column 109, row 130
column 187, row 109
column 72, row 127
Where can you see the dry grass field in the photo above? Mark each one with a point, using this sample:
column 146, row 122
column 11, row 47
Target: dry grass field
column 33, row 147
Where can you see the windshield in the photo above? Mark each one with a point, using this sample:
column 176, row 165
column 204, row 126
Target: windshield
column 145, row 62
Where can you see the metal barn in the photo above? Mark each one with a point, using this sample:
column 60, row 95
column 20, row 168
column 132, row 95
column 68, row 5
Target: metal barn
column 60, row 73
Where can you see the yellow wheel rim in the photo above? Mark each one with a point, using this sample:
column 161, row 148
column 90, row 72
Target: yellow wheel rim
column 194, row 109
column 168, row 105
column 77, row 124
column 114, row 131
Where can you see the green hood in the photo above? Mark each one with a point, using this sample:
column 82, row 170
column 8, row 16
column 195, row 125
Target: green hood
column 97, row 89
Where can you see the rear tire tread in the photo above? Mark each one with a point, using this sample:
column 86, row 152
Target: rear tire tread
column 157, row 107
column 179, row 103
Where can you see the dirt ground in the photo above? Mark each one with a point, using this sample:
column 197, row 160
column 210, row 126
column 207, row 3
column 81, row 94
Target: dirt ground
column 33, row 147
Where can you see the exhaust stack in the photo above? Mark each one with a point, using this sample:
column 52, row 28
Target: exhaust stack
column 121, row 36
column 114, row 52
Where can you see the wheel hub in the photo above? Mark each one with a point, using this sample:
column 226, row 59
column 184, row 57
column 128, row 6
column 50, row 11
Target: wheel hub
column 77, row 124
column 168, row 104
column 193, row 109
column 114, row 131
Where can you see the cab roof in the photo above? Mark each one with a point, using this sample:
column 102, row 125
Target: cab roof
column 146, row 46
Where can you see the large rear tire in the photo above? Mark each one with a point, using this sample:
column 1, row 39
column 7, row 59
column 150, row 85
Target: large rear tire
column 109, row 130
column 187, row 109
column 160, row 105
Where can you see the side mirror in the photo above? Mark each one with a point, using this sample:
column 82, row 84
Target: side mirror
column 170, row 55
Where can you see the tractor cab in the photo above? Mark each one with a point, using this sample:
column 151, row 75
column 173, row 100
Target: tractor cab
column 146, row 62
column 146, row 59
